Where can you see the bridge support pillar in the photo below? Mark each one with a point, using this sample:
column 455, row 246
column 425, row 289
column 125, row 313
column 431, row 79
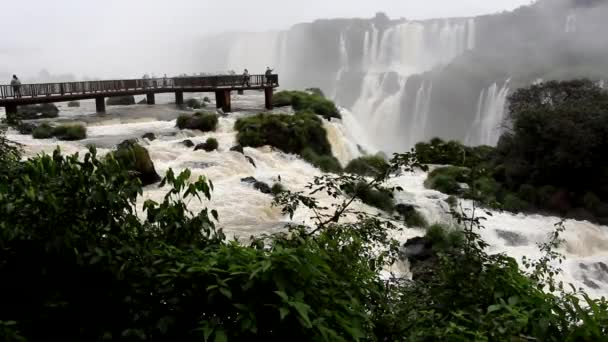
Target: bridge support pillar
column 11, row 112
column 179, row 98
column 268, row 92
column 222, row 100
column 150, row 98
column 100, row 105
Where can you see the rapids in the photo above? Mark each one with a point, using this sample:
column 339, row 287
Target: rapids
column 245, row 211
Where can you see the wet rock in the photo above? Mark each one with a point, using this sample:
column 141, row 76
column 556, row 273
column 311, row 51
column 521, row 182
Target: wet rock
column 73, row 104
column 590, row 283
column 404, row 209
column 237, row 148
column 260, row 186
column 144, row 101
column 121, row 100
column 198, row 165
column 511, row 238
column 187, row 143
column 250, row 160
column 418, row 249
column 149, row 136
column 45, row 110
column 137, row 159
column 26, row 128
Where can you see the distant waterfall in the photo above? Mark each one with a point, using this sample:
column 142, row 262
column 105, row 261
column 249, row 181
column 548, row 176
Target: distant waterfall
column 390, row 57
column 491, row 108
column 343, row 64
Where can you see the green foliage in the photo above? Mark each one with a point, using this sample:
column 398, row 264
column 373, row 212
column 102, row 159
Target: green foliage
column 73, row 104
column 194, row 103
column 304, row 101
column 327, row 163
column 61, row 132
column 43, row 131
column 513, row 203
column 209, row 145
column 205, row 122
column 38, row 111
column 70, row 132
column 454, row 153
column 277, row 188
column 448, row 179
column 315, row 91
column 136, row 159
column 414, row 218
column 206, row 100
column 302, row 134
column 126, row 100
column 81, row 263
column 371, row 166
column 452, row 201
column 375, row 196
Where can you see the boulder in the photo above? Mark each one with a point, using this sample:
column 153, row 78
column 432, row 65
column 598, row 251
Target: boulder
column 45, row 110
column 210, row 145
column 187, row 143
column 121, row 100
column 237, row 148
column 418, row 249
column 137, row 159
column 26, row 128
column 149, row 136
column 260, row 186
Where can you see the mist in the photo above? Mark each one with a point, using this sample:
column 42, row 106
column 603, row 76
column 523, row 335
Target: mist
column 69, row 39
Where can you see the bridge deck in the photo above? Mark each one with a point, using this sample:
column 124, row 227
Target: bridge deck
column 68, row 91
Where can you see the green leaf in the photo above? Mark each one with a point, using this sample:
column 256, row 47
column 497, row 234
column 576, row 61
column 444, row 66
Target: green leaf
column 493, row 308
column 283, row 312
column 283, row 295
column 302, row 310
column 226, row 292
column 220, row 336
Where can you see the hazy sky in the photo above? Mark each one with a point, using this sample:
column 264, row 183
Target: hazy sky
column 98, row 37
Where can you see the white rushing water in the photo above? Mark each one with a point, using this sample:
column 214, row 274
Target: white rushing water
column 398, row 119
column 245, row 211
column 491, row 107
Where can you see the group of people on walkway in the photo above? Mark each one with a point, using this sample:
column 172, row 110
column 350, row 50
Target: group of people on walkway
column 247, row 77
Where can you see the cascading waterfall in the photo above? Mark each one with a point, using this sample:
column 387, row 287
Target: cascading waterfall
column 491, row 108
column 343, row 64
column 390, row 57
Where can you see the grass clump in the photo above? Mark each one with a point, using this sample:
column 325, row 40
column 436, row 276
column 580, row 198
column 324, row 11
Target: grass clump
column 304, row 101
column 70, row 132
column 205, row 122
column 377, row 197
column 210, row 145
column 194, row 104
column 44, row 131
column 301, row 134
column 371, row 166
column 444, row 238
column 447, row 179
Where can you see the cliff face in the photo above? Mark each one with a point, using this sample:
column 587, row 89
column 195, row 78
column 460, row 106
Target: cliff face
column 407, row 81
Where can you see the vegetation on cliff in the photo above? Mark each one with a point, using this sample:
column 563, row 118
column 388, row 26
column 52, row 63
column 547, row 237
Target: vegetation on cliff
column 307, row 101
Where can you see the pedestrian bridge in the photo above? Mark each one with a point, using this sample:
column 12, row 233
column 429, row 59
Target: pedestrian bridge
column 222, row 86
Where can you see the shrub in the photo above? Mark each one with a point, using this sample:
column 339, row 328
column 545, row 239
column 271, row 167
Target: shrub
column 194, row 103
column 414, row 218
column 136, row 158
column 302, row 134
column 121, row 100
column 43, row 131
column 513, row 203
column 206, row 99
column 210, row 145
column 326, row 163
column 447, row 179
column 303, row 101
column 445, row 238
column 452, row 201
column 277, row 188
column 205, row 122
column 377, row 197
column 45, row 110
column 371, row 166
column 70, row 132
column 73, row 104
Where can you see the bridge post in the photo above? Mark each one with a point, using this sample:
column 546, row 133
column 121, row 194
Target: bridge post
column 179, row 98
column 268, row 92
column 222, row 100
column 11, row 112
column 150, row 98
column 100, row 105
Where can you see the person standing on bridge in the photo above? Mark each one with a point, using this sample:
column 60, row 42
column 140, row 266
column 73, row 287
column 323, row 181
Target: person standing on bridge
column 268, row 75
column 246, row 78
column 16, row 86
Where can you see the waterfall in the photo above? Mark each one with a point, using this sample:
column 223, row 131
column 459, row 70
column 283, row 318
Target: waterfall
column 343, row 65
column 491, row 108
column 390, row 58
